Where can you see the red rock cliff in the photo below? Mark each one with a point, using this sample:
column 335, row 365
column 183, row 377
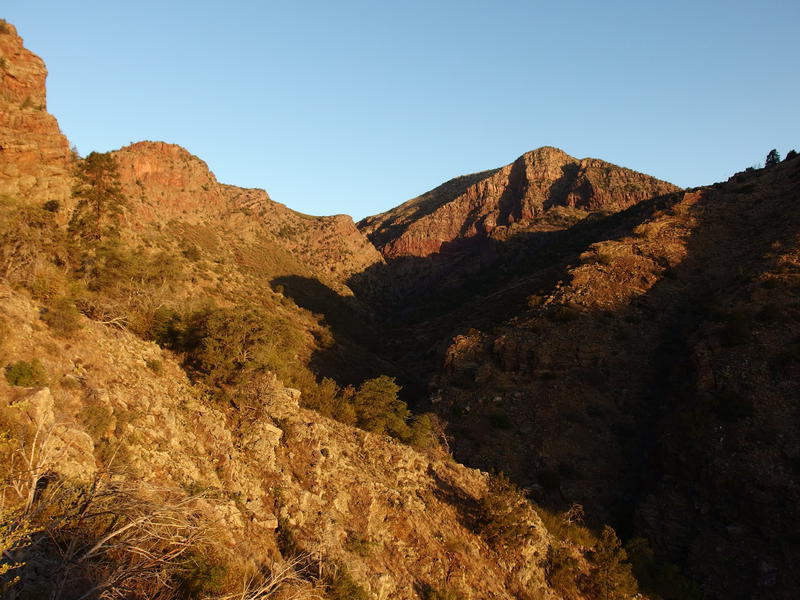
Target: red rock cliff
column 35, row 159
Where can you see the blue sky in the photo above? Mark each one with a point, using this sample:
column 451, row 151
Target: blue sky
column 354, row 107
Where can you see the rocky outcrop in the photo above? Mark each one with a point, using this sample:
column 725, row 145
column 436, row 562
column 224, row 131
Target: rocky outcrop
column 508, row 200
column 165, row 183
column 35, row 158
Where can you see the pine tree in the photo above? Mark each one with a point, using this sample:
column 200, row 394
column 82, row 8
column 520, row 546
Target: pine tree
column 611, row 577
column 773, row 158
column 504, row 513
column 100, row 200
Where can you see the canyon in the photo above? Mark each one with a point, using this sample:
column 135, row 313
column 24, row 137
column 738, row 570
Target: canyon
column 578, row 344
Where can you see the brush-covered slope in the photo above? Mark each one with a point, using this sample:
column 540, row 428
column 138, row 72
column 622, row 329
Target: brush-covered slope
column 541, row 189
column 166, row 185
column 146, row 238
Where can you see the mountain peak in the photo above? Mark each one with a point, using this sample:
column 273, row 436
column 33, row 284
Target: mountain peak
column 519, row 196
column 547, row 153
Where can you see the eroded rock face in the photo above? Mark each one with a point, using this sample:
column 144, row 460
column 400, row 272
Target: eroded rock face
column 512, row 198
column 35, row 159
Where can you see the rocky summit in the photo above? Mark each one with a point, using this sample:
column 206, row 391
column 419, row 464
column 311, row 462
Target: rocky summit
column 535, row 191
column 559, row 379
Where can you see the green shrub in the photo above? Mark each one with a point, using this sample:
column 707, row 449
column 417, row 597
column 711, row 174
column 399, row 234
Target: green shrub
column 562, row 571
column 63, row 317
column 166, row 328
column 154, row 365
column 26, row 374
column 503, row 513
column 610, row 577
column 99, row 200
column 98, row 418
column 420, row 434
column 200, row 577
column 30, row 239
column 658, row 577
column 567, row 529
column 223, row 345
column 378, row 409
column 340, row 585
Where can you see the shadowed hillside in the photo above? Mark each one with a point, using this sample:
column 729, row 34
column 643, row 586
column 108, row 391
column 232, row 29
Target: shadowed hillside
column 639, row 364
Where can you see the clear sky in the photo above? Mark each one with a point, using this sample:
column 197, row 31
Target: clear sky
column 356, row 106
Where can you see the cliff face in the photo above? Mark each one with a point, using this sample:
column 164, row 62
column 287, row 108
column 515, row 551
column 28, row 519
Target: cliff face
column 508, row 200
column 35, row 159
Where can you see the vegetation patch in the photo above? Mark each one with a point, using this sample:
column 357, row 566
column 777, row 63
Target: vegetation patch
column 504, row 513
column 26, row 374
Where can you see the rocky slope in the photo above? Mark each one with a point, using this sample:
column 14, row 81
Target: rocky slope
column 112, row 404
column 654, row 381
column 539, row 189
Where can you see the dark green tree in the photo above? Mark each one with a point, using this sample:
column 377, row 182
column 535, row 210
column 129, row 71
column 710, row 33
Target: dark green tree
column 378, row 409
column 611, row 576
column 773, row 158
column 503, row 513
column 100, row 200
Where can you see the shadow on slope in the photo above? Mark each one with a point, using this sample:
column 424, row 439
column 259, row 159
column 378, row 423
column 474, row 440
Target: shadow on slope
column 668, row 414
column 350, row 357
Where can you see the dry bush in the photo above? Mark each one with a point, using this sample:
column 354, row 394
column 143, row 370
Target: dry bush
column 283, row 580
column 102, row 539
column 568, row 527
column 31, row 245
column 62, row 316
